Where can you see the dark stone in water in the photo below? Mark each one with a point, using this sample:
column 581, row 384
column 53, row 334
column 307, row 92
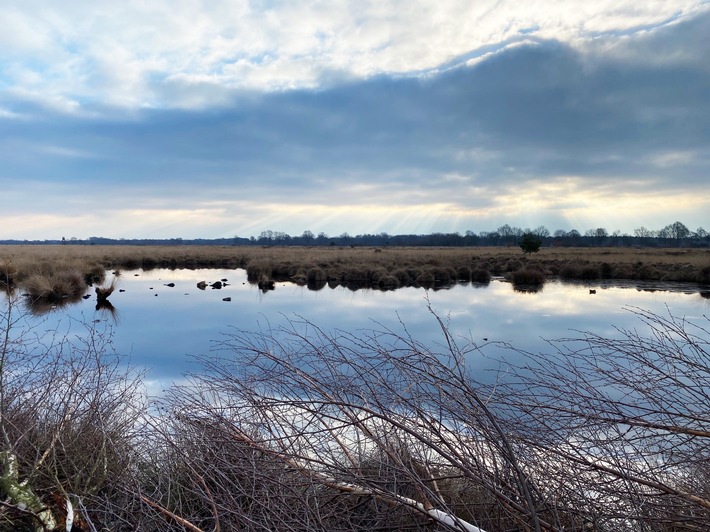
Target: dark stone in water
column 87, row 296
column 226, row 299
column 170, row 285
column 217, row 285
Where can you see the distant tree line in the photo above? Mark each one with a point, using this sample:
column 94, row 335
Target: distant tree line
column 676, row 234
column 673, row 235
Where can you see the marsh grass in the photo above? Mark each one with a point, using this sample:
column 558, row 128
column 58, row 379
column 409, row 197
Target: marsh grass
column 55, row 286
column 55, row 272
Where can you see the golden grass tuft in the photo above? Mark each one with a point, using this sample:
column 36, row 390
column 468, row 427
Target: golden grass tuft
column 55, row 286
column 8, row 271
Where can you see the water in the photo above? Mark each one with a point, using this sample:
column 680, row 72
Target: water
column 161, row 327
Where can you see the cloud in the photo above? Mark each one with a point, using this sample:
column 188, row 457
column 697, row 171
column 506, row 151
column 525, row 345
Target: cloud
column 534, row 130
column 123, row 53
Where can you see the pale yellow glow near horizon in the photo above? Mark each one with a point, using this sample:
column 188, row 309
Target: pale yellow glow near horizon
column 577, row 202
column 567, row 199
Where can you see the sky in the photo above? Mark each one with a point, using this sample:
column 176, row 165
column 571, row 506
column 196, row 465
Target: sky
column 192, row 119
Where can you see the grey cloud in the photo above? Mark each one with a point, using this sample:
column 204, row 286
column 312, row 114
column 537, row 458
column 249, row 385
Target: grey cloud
column 536, row 110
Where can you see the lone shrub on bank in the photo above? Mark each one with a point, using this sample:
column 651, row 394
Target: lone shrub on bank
column 530, row 242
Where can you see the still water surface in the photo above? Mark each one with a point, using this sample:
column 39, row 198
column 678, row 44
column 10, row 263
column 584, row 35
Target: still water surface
column 161, row 327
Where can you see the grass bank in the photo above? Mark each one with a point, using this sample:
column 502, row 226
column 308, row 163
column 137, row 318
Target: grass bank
column 65, row 271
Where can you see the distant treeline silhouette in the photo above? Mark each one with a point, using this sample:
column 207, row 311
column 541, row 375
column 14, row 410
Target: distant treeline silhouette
column 672, row 235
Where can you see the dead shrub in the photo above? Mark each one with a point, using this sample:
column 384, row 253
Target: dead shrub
column 463, row 273
column 704, row 275
column 256, row 270
column 149, row 263
column 8, row 271
column 528, row 277
column 589, row 273
column 623, row 271
column 569, row 271
column 481, row 276
column 496, row 267
column 647, row 273
column 69, row 421
column 402, row 277
column 316, row 275
column 426, row 279
column 443, row 275
column 375, row 274
column 283, row 270
column 606, row 270
column 513, row 265
column 355, row 275
column 388, row 282
column 94, row 274
column 129, row 263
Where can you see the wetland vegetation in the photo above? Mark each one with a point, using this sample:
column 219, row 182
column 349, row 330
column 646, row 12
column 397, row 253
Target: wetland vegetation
column 64, row 272
column 302, row 428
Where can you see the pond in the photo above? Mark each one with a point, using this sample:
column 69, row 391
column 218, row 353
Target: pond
column 161, row 318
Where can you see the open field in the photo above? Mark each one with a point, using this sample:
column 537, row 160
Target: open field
column 65, row 270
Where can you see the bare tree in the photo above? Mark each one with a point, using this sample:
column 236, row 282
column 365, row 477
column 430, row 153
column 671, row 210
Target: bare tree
column 398, row 435
column 296, row 428
column 301, row 429
column 622, row 424
column 69, row 411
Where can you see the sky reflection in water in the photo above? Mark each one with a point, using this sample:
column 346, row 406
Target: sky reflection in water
column 160, row 327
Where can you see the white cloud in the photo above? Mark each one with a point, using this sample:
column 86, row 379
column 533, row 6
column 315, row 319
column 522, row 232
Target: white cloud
column 118, row 53
column 10, row 115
